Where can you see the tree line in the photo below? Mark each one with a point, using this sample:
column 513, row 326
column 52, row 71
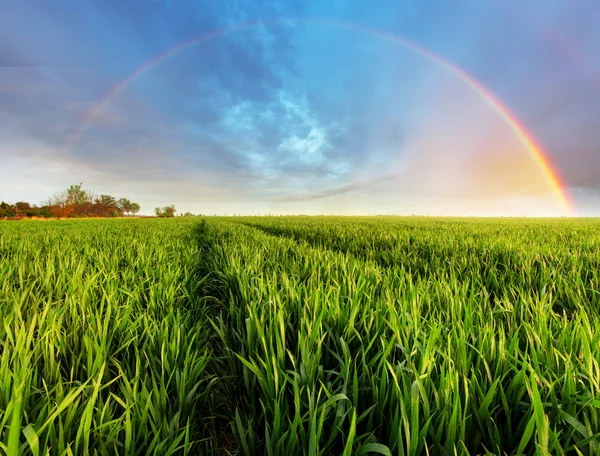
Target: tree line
column 72, row 202
column 167, row 211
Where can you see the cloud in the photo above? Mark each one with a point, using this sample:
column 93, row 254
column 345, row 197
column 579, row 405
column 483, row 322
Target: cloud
column 343, row 189
column 298, row 111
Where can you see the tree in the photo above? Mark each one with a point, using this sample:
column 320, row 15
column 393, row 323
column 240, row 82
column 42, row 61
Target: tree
column 135, row 208
column 45, row 211
column 77, row 196
column 72, row 201
column 169, row 210
column 166, row 211
column 106, row 200
column 124, row 205
column 22, row 207
column 105, row 206
column 8, row 211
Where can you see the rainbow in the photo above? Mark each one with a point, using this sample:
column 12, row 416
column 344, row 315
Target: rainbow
column 536, row 152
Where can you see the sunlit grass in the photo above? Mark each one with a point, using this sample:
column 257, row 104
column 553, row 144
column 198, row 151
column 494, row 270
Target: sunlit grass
column 102, row 347
column 300, row 336
column 406, row 336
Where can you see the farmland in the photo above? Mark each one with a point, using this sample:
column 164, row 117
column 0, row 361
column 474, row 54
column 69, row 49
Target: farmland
column 300, row 335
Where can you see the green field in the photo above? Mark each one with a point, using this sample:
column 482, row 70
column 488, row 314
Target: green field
column 300, row 335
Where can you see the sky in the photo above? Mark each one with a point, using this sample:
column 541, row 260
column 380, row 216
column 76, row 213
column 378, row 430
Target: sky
column 304, row 107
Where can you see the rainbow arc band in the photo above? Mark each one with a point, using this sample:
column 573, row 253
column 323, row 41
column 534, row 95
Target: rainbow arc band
column 541, row 159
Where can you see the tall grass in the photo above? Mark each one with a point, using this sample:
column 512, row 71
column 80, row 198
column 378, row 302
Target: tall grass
column 104, row 341
column 405, row 337
column 300, row 336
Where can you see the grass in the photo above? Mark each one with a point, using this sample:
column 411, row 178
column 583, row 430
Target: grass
column 102, row 347
column 300, row 335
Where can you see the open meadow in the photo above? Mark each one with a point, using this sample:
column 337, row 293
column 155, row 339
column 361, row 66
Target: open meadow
column 300, row 335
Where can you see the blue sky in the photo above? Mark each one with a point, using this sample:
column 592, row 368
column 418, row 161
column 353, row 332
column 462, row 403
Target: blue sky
column 293, row 107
